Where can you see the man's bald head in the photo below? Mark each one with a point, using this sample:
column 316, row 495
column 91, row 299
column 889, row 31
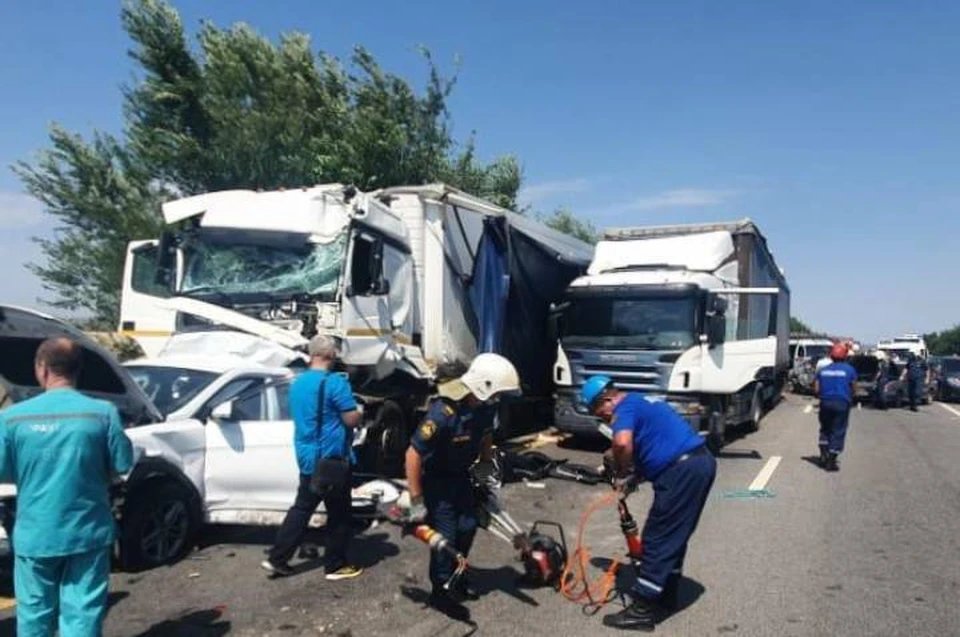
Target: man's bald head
column 58, row 357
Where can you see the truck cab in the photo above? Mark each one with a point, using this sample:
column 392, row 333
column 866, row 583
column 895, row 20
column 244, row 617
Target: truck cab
column 694, row 315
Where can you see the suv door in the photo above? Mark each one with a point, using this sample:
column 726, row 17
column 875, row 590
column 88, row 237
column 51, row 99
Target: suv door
column 250, row 463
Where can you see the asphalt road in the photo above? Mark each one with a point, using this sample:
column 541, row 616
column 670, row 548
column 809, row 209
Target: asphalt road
column 871, row 550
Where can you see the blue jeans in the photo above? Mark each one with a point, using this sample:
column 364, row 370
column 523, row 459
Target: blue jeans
column 679, row 495
column 834, row 419
column 75, row 585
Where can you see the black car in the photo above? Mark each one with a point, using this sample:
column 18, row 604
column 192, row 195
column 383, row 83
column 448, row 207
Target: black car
column 948, row 380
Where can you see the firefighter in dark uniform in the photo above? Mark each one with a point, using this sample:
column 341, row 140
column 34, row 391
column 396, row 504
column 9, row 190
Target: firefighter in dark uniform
column 656, row 444
column 456, row 432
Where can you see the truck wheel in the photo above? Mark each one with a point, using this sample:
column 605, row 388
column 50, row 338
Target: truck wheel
column 756, row 411
column 389, row 439
column 159, row 525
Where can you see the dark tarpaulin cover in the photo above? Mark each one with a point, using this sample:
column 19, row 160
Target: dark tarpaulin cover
column 490, row 286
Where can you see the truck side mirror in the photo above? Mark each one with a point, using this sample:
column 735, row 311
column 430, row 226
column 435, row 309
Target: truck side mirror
column 716, row 329
column 166, row 260
column 555, row 320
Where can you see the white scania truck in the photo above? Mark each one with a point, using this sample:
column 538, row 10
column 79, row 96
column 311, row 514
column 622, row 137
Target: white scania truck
column 696, row 314
column 408, row 278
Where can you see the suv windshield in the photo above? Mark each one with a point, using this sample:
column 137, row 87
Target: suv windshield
column 231, row 263
column 631, row 323
column 170, row 388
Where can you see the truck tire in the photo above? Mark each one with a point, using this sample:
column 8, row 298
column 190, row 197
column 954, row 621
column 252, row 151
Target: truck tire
column 756, row 411
column 388, row 440
column 159, row 525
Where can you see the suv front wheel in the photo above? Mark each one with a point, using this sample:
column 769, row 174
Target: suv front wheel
column 159, row 525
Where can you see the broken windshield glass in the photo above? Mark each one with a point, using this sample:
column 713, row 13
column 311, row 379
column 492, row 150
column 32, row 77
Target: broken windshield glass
column 221, row 267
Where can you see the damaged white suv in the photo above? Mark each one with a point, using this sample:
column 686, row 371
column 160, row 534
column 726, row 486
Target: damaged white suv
column 212, row 432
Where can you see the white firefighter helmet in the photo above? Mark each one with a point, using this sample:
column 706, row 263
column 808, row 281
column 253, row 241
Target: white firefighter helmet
column 491, row 374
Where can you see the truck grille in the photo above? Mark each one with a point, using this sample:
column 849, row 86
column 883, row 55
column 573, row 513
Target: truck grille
column 639, row 371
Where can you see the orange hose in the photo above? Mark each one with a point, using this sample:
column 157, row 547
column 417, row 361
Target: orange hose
column 574, row 584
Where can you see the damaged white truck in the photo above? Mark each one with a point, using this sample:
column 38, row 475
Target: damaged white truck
column 409, row 279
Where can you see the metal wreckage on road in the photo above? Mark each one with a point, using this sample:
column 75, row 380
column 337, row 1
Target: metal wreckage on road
column 412, row 281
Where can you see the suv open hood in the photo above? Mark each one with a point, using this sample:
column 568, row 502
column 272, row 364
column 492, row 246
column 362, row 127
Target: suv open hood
column 21, row 332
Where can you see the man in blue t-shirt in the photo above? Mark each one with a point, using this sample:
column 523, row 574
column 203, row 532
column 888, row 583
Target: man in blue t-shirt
column 324, row 447
column 62, row 449
column 834, row 387
column 653, row 441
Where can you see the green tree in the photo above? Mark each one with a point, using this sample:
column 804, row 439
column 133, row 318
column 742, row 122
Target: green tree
column 945, row 343
column 566, row 222
column 237, row 111
column 799, row 327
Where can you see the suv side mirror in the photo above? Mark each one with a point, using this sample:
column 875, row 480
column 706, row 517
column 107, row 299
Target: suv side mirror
column 223, row 411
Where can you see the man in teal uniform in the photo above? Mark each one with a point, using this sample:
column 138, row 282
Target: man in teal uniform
column 62, row 450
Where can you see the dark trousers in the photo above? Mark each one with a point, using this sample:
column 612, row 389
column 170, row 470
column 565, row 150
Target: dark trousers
column 679, row 495
column 297, row 520
column 451, row 511
column 834, row 419
column 913, row 393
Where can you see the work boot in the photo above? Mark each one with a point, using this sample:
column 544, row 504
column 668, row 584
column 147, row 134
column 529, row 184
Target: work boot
column 641, row 614
column 669, row 599
column 465, row 589
column 824, row 456
column 832, row 464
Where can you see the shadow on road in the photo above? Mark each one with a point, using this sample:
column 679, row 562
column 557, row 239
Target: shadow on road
column 456, row 612
column 503, row 579
column 200, row 623
column 688, row 592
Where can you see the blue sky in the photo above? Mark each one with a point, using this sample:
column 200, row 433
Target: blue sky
column 832, row 124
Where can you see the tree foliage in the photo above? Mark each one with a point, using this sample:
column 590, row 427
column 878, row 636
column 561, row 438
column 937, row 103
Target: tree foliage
column 945, row 343
column 236, row 111
column 799, row 327
column 566, row 222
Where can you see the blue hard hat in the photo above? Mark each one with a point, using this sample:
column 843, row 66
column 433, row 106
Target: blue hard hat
column 593, row 388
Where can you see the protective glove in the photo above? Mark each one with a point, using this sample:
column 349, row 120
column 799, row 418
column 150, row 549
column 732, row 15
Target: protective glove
column 626, row 485
column 412, row 510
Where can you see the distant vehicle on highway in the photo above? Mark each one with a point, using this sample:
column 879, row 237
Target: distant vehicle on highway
column 947, row 384
column 889, row 391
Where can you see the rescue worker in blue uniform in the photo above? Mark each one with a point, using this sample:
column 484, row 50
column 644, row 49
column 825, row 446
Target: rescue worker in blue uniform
column 914, row 375
column 656, row 444
column 456, row 432
column 834, row 387
column 63, row 450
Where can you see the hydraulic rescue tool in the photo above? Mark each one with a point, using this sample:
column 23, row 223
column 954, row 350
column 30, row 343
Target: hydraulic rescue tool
column 575, row 584
column 543, row 557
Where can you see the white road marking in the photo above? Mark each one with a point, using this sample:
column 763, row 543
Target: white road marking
column 808, row 409
column 760, row 482
column 950, row 409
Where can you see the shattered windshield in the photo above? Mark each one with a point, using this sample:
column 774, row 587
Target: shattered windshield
column 631, row 323
column 221, row 264
column 170, row 388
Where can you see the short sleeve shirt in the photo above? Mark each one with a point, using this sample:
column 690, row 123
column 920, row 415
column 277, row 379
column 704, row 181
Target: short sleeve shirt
column 660, row 434
column 328, row 437
column 836, row 380
column 61, row 449
column 450, row 436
